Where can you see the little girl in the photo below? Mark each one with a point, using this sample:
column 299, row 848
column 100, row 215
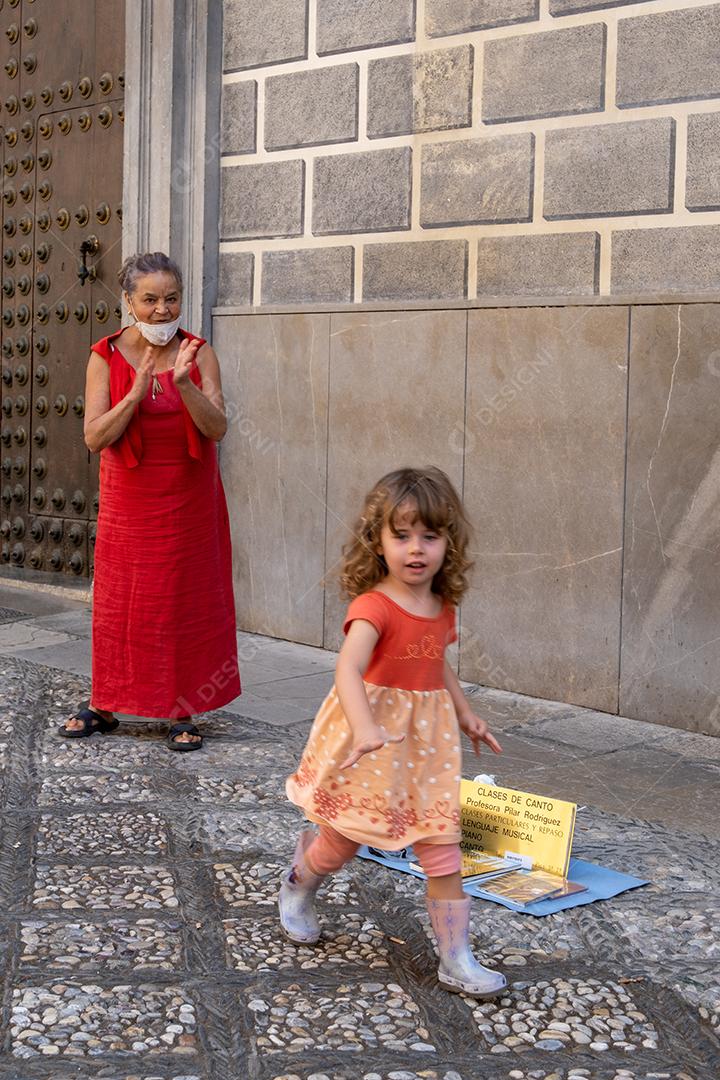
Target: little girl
column 382, row 763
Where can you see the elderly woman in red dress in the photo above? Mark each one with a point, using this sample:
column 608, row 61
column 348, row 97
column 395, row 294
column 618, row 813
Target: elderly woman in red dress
column 163, row 636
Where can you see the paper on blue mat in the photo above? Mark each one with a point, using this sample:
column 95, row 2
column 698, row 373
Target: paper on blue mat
column 602, row 883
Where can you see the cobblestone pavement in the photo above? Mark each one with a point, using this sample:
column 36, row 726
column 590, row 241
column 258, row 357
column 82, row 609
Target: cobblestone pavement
column 139, row 939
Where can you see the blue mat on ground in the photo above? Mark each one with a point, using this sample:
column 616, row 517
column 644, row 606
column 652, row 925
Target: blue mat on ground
column 602, row 883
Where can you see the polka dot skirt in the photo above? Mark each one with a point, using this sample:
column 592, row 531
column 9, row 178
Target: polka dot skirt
column 402, row 793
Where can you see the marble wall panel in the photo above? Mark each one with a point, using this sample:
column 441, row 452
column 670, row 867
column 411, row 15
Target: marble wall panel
column 532, row 426
column 397, row 384
column 273, row 458
column 544, row 473
column 671, row 597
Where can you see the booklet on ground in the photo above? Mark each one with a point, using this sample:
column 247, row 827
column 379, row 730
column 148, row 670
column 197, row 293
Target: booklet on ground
column 476, row 865
column 521, row 888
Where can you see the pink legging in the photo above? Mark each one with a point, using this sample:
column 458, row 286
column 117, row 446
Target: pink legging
column 330, row 851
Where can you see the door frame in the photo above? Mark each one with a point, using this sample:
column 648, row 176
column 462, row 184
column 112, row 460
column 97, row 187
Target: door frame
column 171, row 172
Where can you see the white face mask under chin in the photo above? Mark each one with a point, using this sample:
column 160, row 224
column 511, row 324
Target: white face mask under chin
column 157, row 333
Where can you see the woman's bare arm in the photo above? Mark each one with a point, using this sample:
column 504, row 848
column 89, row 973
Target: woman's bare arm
column 206, row 404
column 104, row 425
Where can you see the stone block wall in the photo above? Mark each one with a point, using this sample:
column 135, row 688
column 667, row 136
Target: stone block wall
column 460, row 149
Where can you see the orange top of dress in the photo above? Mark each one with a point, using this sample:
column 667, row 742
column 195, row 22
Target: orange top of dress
column 410, row 653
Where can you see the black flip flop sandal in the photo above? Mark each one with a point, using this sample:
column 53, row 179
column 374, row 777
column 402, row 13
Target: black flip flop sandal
column 92, row 722
column 180, row 729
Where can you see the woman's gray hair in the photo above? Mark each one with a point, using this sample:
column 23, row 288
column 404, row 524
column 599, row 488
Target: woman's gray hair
column 151, row 262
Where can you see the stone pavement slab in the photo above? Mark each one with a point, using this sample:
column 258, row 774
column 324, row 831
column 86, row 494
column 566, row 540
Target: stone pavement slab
column 596, row 731
column 77, row 623
column 285, row 657
column 283, row 702
column 64, row 653
column 26, row 635
column 138, row 936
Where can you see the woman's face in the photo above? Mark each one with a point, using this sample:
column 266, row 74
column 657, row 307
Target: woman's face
column 156, row 298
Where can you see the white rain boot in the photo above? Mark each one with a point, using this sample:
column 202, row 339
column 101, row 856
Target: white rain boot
column 296, row 899
column 459, row 971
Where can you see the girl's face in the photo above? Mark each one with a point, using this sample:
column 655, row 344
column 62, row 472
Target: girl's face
column 155, row 298
column 414, row 553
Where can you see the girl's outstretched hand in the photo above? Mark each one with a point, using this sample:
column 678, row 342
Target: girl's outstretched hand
column 367, row 742
column 477, row 731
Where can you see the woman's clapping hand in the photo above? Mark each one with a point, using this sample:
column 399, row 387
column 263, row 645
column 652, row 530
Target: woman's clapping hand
column 184, row 361
column 143, row 375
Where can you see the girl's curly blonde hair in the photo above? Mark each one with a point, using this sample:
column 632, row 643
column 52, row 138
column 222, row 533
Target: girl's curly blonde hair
column 436, row 504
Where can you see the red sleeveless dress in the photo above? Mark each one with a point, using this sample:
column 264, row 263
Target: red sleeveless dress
column 163, row 635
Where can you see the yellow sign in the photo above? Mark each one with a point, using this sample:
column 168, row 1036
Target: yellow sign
column 500, row 821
